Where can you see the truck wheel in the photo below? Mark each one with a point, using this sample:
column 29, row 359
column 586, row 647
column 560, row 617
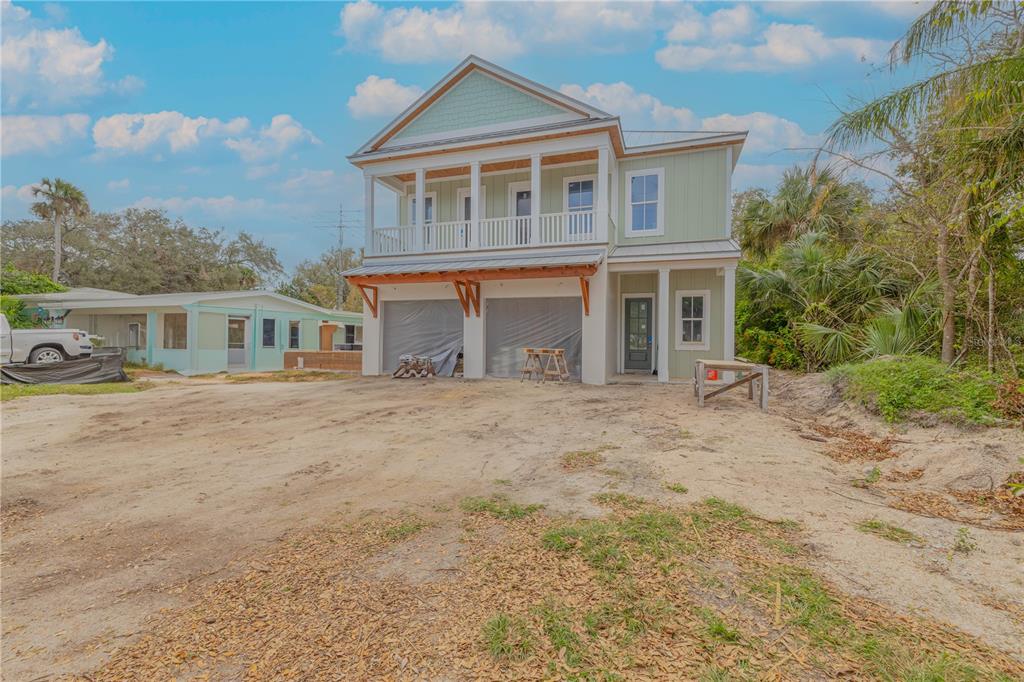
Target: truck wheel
column 45, row 355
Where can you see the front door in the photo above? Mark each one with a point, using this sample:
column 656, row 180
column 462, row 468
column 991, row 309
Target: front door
column 639, row 333
column 237, row 346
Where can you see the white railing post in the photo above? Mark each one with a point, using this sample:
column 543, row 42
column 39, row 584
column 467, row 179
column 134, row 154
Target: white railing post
column 421, row 210
column 535, row 199
column 601, row 198
column 474, row 205
column 369, row 248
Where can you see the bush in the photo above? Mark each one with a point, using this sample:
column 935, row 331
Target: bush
column 897, row 387
column 775, row 348
column 14, row 282
column 14, row 310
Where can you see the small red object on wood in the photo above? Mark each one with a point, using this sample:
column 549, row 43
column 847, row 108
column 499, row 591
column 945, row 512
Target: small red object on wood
column 712, row 375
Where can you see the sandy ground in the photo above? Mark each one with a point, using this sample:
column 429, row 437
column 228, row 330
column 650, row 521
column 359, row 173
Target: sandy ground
column 117, row 506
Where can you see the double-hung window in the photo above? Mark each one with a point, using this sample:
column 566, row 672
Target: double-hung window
column 579, row 204
column 269, row 332
column 692, row 312
column 645, row 208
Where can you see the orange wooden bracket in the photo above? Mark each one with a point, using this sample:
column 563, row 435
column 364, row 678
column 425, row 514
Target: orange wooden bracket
column 371, row 300
column 473, row 292
column 585, row 291
column 463, row 299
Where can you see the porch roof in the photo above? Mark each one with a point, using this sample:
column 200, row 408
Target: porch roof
column 493, row 263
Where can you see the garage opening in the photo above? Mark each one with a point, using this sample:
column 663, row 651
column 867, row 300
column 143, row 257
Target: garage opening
column 517, row 323
column 430, row 328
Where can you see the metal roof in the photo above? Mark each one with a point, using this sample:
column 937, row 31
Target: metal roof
column 75, row 294
column 483, row 263
column 651, row 138
column 722, row 248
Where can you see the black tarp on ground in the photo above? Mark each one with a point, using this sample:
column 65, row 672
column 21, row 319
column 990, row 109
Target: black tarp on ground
column 99, row 369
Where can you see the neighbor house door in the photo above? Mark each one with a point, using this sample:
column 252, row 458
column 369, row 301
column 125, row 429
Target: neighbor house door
column 639, row 331
column 238, row 355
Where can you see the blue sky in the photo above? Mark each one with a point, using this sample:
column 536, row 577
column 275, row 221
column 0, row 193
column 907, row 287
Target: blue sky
column 239, row 115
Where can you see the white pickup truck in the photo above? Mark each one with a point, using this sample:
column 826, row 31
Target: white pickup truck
column 42, row 345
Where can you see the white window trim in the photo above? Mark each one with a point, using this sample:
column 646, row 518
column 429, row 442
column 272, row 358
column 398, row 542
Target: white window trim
column 705, row 324
column 565, row 189
column 461, row 199
column 513, row 188
column 433, row 202
column 660, row 229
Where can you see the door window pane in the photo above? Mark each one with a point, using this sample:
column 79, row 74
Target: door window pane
column 581, row 195
column 523, row 203
column 293, row 334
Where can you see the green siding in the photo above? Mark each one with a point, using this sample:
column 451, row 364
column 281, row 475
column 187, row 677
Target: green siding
column 213, row 331
column 680, row 363
column 695, row 199
column 644, row 283
column 477, row 100
column 309, row 335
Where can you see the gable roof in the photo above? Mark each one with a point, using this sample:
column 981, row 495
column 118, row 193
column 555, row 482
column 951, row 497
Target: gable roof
column 556, row 101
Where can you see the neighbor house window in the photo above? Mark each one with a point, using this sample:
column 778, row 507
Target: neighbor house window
column 293, row 334
column 692, row 310
column 350, row 334
column 269, row 333
column 176, row 331
column 579, row 198
column 645, row 210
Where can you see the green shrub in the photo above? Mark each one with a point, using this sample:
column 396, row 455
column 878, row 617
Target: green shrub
column 896, row 387
column 775, row 348
column 14, row 281
column 14, row 310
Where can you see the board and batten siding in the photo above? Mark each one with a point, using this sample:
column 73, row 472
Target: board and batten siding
column 496, row 204
column 477, row 100
column 694, row 194
column 680, row 362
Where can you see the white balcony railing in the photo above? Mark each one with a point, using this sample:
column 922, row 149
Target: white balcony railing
column 553, row 229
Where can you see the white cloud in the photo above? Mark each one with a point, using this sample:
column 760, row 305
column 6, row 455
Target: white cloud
column 499, row 30
column 768, row 132
column 309, row 181
column 119, row 185
column 283, row 133
column 732, row 22
column 22, row 194
column 220, row 207
column 40, row 134
column 378, row 96
column 747, row 176
column 260, row 172
column 52, row 66
column 136, row 133
column 778, row 47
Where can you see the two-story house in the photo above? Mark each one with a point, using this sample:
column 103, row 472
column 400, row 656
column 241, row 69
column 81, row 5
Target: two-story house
column 529, row 218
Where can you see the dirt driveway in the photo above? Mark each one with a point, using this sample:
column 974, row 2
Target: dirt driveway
column 117, row 506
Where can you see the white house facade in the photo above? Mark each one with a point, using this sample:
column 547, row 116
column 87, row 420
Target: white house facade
column 529, row 218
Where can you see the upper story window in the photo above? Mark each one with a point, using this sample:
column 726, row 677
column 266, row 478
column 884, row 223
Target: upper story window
column 429, row 200
column 692, row 311
column 579, row 198
column 645, row 205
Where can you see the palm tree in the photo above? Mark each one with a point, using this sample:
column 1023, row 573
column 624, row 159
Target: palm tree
column 806, row 200
column 61, row 202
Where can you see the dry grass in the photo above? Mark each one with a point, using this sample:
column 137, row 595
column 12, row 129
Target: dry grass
column 855, row 446
column 978, row 507
column 289, row 375
column 889, row 531
column 584, row 459
column 901, row 476
column 13, row 391
column 645, row 593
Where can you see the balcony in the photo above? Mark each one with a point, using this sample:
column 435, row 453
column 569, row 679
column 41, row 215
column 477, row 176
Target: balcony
column 552, row 229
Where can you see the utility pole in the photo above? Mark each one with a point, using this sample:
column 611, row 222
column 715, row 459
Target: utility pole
column 343, row 224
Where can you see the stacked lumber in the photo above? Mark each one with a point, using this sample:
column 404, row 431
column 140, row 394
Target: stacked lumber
column 411, row 366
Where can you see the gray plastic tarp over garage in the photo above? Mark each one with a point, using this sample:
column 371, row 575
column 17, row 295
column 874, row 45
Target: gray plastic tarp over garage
column 431, row 328
column 517, row 323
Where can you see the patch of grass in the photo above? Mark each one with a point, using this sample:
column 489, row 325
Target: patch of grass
column 404, row 529
column 13, row 391
column 716, row 628
column 871, row 478
column 631, row 615
column 508, row 637
column 897, row 387
column 502, row 481
column 619, row 500
column 582, row 459
column 964, row 542
column 782, row 546
column 288, row 375
column 677, row 488
column 891, row 659
column 889, row 531
column 806, row 603
column 720, row 510
column 498, row 506
column 557, row 625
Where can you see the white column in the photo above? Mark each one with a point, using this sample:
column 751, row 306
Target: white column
column 474, row 347
column 474, row 205
column 372, row 342
column 594, row 365
column 535, row 199
column 664, row 323
column 729, row 312
column 601, row 196
column 614, row 202
column 421, row 209
column 369, row 247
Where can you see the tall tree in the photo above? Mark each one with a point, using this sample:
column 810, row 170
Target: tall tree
column 320, row 282
column 62, row 202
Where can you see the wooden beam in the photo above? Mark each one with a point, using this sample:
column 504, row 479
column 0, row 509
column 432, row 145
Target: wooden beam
column 462, row 296
column 585, row 292
column 475, row 276
column 473, row 291
column 371, row 302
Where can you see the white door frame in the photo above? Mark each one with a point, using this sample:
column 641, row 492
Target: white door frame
column 246, row 329
column 513, row 188
column 461, row 196
column 621, row 363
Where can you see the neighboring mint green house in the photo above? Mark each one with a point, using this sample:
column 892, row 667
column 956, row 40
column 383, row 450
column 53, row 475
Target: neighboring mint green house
column 528, row 218
column 199, row 332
